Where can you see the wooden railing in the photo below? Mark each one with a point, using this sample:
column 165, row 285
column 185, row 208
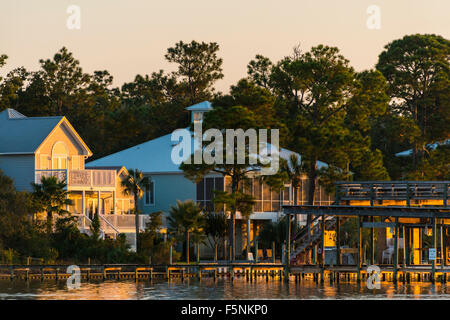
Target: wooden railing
column 80, row 178
column 394, row 190
column 115, row 223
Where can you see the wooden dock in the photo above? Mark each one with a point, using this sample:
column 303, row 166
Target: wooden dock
column 126, row 271
column 403, row 274
column 250, row 271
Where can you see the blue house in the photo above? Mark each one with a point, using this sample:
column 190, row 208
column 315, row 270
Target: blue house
column 169, row 184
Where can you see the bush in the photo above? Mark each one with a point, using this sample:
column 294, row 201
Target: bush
column 9, row 256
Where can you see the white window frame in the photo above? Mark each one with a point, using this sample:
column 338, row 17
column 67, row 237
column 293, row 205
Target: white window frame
column 59, row 157
column 154, row 196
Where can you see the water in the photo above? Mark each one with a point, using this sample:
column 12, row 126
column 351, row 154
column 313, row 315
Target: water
column 223, row 288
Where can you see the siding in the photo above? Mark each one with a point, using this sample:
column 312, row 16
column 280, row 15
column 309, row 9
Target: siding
column 20, row 168
column 168, row 189
column 61, row 134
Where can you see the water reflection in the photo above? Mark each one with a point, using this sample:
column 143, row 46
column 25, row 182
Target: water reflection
column 221, row 289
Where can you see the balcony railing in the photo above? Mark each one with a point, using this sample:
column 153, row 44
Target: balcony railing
column 80, row 178
column 394, row 190
column 114, row 223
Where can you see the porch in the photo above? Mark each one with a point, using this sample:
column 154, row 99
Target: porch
column 81, row 179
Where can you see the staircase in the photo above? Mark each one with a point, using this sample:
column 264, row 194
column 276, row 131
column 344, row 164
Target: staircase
column 84, row 223
column 302, row 243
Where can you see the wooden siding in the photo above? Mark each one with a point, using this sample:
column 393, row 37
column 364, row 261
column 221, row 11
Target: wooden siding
column 20, row 168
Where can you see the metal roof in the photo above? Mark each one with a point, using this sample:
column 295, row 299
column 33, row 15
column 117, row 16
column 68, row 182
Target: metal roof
column 24, row 135
column 20, row 134
column 202, row 106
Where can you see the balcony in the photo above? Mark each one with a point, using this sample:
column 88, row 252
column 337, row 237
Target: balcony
column 80, row 179
column 394, row 190
column 114, row 224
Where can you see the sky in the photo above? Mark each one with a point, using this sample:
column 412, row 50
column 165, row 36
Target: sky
column 129, row 37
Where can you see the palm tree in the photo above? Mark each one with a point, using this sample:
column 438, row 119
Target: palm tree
column 51, row 196
column 134, row 184
column 294, row 171
column 184, row 219
column 291, row 171
column 231, row 203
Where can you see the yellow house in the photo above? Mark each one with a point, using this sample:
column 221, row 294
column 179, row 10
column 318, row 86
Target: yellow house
column 36, row 147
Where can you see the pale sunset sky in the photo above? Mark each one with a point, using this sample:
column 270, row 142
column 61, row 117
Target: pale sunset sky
column 129, row 37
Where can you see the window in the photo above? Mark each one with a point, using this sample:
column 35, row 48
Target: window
column 149, row 198
column 205, row 191
column 59, row 156
column 75, row 163
column 266, row 200
column 59, row 162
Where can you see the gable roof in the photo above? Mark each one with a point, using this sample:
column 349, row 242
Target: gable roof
column 24, row 135
column 150, row 157
column 154, row 156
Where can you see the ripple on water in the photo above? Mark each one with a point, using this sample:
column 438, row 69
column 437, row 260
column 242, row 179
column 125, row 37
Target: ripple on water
column 221, row 289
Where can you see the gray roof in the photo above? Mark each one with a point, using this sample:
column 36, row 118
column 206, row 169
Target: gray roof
column 20, row 134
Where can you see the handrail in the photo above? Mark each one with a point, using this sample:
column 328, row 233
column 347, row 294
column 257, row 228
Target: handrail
column 102, row 232
column 109, row 223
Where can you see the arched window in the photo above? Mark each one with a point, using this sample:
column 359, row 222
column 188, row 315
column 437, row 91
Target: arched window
column 59, row 156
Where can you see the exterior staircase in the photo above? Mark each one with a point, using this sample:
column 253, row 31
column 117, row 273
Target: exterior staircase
column 309, row 236
column 112, row 226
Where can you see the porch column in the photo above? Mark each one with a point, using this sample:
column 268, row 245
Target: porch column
column 358, row 256
column 83, row 205
column 99, row 206
column 322, row 250
column 396, row 249
column 114, row 202
column 372, row 242
column 338, row 241
column 405, row 251
column 249, row 230
column 442, row 245
column 433, row 241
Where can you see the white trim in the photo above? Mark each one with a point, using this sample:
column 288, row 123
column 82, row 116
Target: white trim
column 72, row 132
column 154, row 196
column 59, row 156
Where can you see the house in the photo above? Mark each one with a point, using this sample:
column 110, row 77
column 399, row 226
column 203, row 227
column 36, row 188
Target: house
column 430, row 146
column 169, row 184
column 36, row 147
